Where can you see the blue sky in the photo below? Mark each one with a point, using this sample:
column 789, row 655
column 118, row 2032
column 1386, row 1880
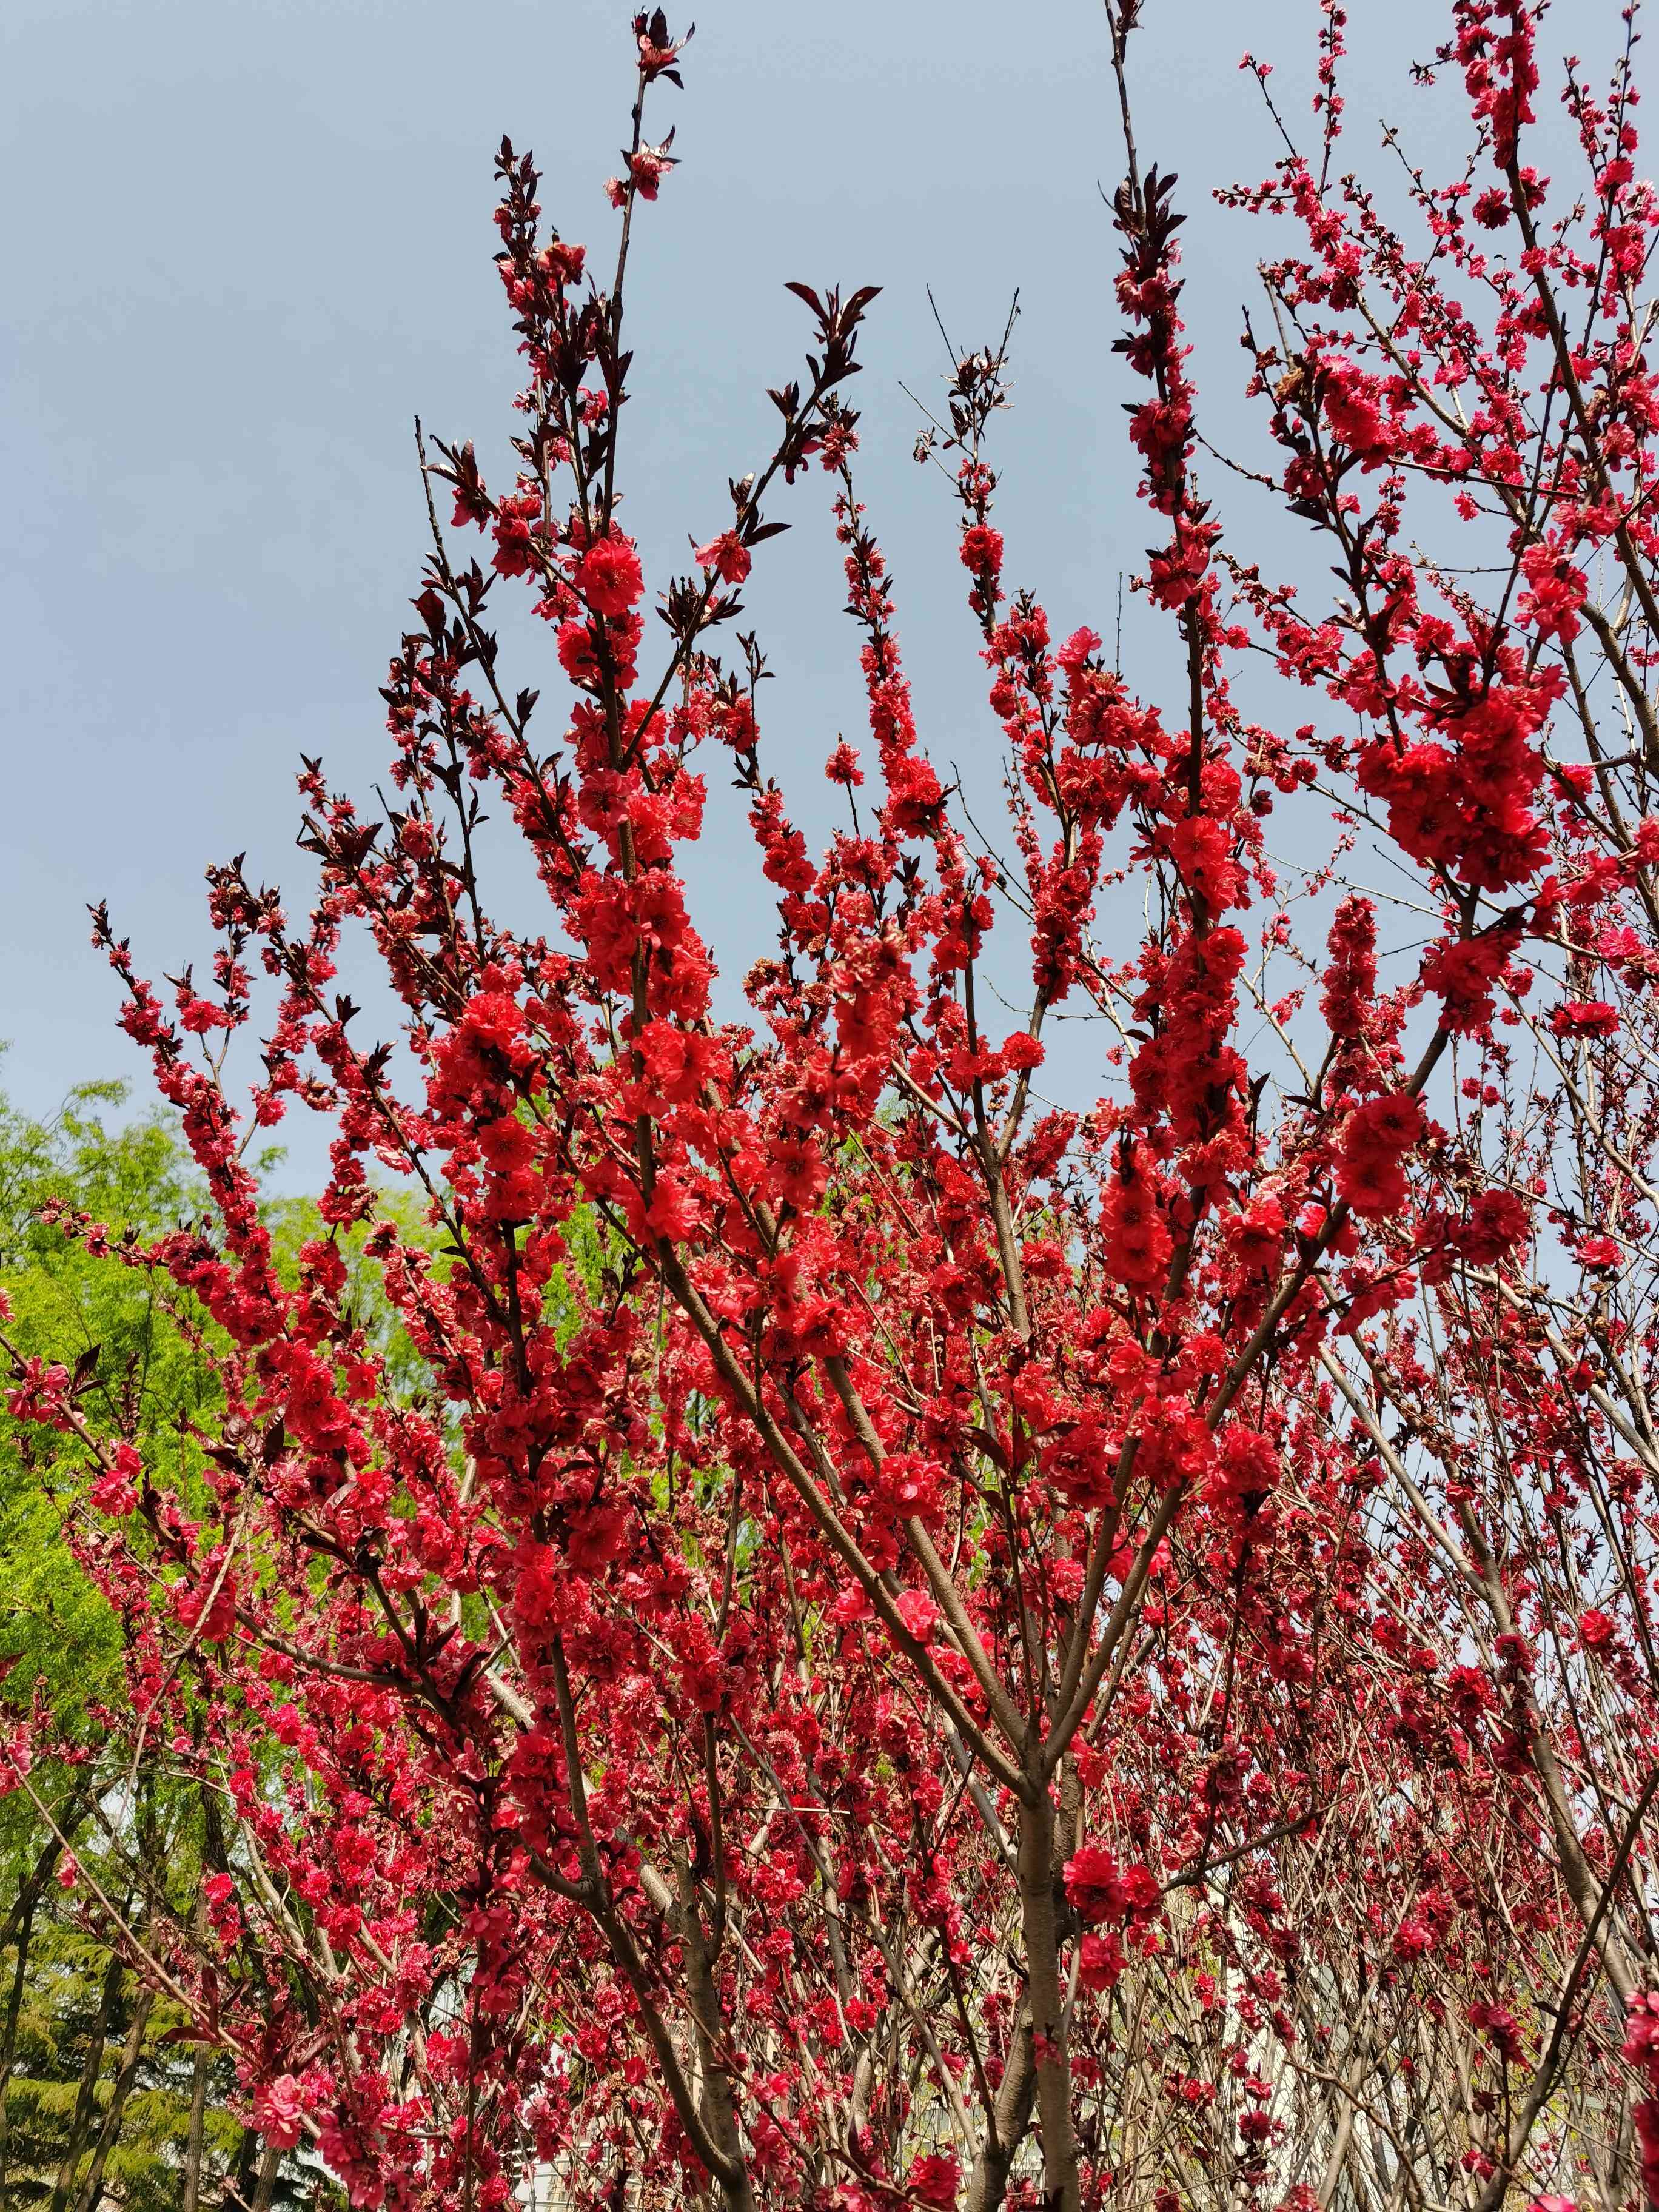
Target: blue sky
column 250, row 240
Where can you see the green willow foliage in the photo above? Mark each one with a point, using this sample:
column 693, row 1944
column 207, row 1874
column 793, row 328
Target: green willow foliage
column 104, row 2101
column 95, row 2107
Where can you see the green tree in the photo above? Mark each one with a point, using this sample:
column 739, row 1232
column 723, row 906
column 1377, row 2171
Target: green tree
column 99, row 2103
column 105, row 2098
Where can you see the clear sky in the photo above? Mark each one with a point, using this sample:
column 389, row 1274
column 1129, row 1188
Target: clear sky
column 247, row 241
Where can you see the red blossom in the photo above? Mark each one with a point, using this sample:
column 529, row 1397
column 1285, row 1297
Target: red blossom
column 804, row 1540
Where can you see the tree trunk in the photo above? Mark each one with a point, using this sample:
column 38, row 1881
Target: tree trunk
column 1016, row 2093
column 267, row 2188
column 1061, row 2182
column 20, row 1929
column 14, row 2007
column 81, row 2124
column 198, row 2077
column 719, row 2114
column 199, row 2087
column 93, row 2188
column 239, row 2183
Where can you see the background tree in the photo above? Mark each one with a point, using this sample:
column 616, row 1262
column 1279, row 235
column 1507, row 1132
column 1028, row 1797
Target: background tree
column 96, row 2104
column 106, row 2095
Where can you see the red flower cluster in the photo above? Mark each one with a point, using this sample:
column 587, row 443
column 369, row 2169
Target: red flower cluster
column 664, row 1595
column 1376, row 1139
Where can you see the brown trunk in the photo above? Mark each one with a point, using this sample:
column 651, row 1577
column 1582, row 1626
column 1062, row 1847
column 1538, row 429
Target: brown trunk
column 267, row 2188
column 1016, row 2094
column 719, row 2114
column 1061, row 2181
column 20, row 1929
column 93, row 2188
column 212, row 1842
column 193, row 2144
column 239, row 2184
column 81, row 2124
column 14, row 2007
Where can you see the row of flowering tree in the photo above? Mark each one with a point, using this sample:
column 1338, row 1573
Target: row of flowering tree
column 904, row 1641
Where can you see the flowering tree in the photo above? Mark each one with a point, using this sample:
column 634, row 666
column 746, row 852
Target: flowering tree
column 904, row 1644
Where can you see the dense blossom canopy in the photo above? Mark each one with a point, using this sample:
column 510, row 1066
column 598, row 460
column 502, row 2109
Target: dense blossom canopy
column 915, row 1644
